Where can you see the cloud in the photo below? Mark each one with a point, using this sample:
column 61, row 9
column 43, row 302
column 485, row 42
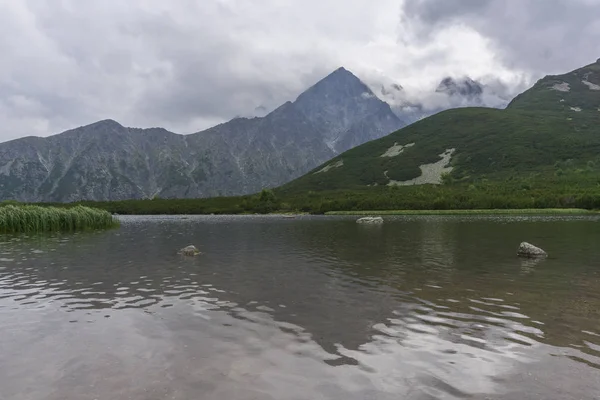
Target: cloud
column 537, row 36
column 189, row 64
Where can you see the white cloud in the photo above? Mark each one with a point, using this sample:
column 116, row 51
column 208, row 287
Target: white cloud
column 189, row 64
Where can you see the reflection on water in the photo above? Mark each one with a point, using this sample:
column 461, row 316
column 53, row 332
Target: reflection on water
column 419, row 308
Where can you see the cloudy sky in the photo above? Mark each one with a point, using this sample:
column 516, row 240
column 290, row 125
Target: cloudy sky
column 188, row 64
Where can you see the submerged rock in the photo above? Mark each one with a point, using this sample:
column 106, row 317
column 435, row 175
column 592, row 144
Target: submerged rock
column 530, row 251
column 370, row 220
column 190, row 250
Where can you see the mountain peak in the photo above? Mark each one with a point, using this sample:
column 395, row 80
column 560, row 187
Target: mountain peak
column 341, row 70
column 102, row 126
column 465, row 86
column 343, row 75
column 339, row 102
column 338, row 85
column 391, row 90
column 105, row 123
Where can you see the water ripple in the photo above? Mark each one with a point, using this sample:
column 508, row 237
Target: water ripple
column 425, row 311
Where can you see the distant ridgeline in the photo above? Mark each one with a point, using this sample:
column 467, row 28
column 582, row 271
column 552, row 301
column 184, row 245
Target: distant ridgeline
column 107, row 161
column 542, row 151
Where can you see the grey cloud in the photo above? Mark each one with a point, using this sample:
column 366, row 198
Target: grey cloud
column 189, row 64
column 434, row 11
column 141, row 63
column 548, row 36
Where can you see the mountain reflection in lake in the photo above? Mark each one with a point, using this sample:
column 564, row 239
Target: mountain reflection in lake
column 305, row 308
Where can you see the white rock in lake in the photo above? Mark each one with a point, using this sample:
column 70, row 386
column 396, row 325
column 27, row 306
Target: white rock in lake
column 190, row 250
column 370, row 220
column 531, row 251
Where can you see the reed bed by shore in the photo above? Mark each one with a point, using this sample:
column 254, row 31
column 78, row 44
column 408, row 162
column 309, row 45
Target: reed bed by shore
column 38, row 219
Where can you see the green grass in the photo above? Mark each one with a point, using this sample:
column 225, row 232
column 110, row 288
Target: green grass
column 544, row 211
column 490, row 145
column 38, row 219
column 579, row 95
column 563, row 195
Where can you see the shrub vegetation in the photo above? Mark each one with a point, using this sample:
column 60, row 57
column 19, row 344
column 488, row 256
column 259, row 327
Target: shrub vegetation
column 37, row 219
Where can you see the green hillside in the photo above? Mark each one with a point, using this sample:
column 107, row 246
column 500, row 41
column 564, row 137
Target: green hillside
column 582, row 90
column 549, row 135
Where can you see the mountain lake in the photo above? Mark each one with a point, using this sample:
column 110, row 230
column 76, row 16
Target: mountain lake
column 312, row 307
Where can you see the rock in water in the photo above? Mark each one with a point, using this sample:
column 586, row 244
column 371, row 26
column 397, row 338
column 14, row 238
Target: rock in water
column 370, row 220
column 190, row 250
column 531, row 251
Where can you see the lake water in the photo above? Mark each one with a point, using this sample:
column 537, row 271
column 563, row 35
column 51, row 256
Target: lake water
column 305, row 308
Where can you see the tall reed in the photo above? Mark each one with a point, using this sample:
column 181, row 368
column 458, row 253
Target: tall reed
column 36, row 219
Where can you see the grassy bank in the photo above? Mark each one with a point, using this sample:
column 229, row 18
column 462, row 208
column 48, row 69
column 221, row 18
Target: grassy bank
column 37, row 219
column 511, row 196
column 541, row 211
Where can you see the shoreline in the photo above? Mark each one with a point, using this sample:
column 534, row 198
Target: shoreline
column 541, row 211
column 532, row 211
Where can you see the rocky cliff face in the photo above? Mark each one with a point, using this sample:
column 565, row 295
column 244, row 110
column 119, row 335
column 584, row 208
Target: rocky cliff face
column 346, row 111
column 106, row 161
column 465, row 87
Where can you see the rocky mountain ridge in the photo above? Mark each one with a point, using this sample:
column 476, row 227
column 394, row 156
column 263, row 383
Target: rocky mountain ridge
column 107, row 161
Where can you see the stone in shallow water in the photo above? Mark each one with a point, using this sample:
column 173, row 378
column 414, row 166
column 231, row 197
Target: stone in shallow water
column 370, row 220
column 531, row 251
column 190, row 250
